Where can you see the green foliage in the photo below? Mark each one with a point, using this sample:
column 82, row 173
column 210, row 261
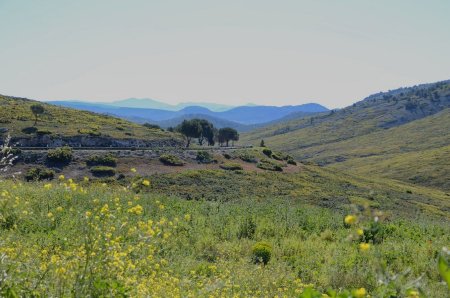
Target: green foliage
column 204, row 156
column 171, row 160
column 227, row 134
column 231, row 166
column 37, row 109
column 261, row 253
column 267, row 152
column 444, row 268
column 90, row 132
column 152, row 126
column 38, row 174
column 204, row 247
column 247, row 156
column 247, row 228
column 103, row 171
column 266, row 164
column 102, row 160
column 29, row 130
column 262, row 144
column 61, row 155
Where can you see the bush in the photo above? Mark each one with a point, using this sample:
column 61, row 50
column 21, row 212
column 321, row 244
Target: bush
column 247, row 157
column 269, row 165
column 103, row 171
column 277, row 156
column 29, row 130
column 60, row 155
column 227, row 156
column 247, row 228
column 262, row 252
column 90, row 132
column 205, row 157
column 171, row 160
column 267, row 152
column 231, row 166
column 292, row 162
column 43, row 132
column 105, row 160
column 39, row 174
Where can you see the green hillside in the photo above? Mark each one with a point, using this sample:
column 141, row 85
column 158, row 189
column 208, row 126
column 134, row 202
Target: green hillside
column 382, row 134
column 16, row 116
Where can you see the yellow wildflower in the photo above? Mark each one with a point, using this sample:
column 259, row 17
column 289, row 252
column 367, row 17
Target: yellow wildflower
column 86, row 179
column 364, row 246
column 88, row 213
column 350, row 219
column 146, row 183
column 59, row 209
column 361, row 292
column 61, row 177
column 49, row 215
column 48, row 186
column 360, row 232
column 133, row 170
column 187, row 217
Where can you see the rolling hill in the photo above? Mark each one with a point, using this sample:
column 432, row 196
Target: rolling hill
column 58, row 123
column 381, row 135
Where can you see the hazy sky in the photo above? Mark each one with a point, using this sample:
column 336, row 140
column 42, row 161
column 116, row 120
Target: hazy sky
column 234, row 52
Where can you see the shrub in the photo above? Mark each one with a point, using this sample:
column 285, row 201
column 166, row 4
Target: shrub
column 29, row 130
column 247, row 228
column 152, row 126
column 227, row 156
column 103, row 171
column 204, row 157
column 261, row 253
column 43, row 132
column 90, row 132
column 277, row 156
column 267, row 152
column 105, row 160
column 60, row 155
column 171, row 160
column 247, row 157
column 231, row 166
column 269, row 165
column 292, row 162
column 39, row 174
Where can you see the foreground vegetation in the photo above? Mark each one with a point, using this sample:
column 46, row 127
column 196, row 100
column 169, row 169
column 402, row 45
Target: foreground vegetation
column 81, row 238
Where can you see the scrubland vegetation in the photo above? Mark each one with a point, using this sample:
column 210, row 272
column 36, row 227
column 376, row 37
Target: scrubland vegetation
column 90, row 239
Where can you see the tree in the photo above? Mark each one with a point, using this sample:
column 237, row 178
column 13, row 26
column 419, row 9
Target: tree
column 190, row 129
column 207, row 132
column 228, row 134
column 262, row 144
column 37, row 110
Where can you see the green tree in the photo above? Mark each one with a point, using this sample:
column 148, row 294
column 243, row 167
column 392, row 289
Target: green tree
column 262, row 144
column 37, row 109
column 190, row 129
column 227, row 134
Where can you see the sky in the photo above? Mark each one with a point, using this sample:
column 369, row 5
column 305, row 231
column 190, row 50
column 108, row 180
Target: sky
column 230, row 52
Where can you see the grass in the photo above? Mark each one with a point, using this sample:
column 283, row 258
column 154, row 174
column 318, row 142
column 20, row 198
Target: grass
column 16, row 116
column 105, row 240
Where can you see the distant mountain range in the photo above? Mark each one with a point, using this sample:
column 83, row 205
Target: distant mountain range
column 242, row 118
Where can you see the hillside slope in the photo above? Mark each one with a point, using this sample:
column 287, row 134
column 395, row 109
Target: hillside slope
column 58, row 122
column 383, row 126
